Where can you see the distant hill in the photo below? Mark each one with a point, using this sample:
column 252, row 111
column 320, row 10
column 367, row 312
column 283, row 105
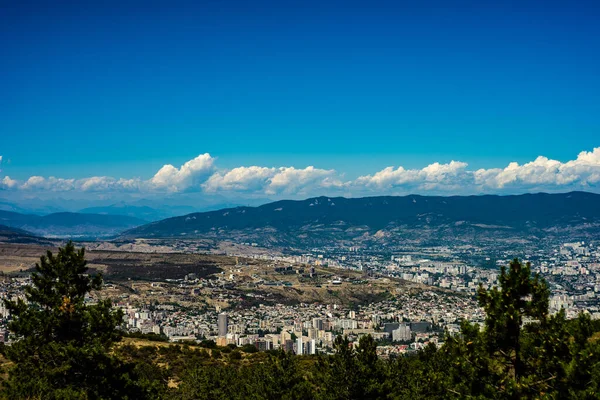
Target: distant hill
column 38, row 209
column 66, row 224
column 148, row 213
column 317, row 220
column 141, row 212
column 15, row 235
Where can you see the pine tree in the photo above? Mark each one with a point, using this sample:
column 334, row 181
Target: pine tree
column 520, row 295
column 353, row 372
column 339, row 371
column 62, row 344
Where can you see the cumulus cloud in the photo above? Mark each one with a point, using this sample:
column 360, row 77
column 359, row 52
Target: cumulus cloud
column 201, row 174
column 272, row 180
column 241, row 179
column 290, row 180
column 96, row 183
column 540, row 174
column 584, row 171
column 190, row 174
column 433, row 176
column 107, row 183
column 8, row 183
column 52, row 184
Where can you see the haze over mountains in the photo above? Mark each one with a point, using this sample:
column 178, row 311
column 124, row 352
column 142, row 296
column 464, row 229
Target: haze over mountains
column 146, row 208
column 145, row 213
column 151, row 213
column 15, row 235
column 320, row 220
column 49, row 219
column 71, row 225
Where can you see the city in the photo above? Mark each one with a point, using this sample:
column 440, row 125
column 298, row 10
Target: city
column 424, row 298
column 314, row 200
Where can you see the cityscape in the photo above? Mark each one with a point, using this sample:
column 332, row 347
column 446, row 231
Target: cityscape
column 232, row 200
column 430, row 291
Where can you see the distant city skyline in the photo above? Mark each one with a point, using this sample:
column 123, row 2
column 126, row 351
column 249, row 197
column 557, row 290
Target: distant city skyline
column 267, row 100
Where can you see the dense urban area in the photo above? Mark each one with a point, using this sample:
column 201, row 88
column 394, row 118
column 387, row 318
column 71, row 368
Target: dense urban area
column 410, row 296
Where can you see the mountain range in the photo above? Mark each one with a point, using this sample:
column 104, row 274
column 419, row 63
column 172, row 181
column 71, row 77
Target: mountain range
column 149, row 213
column 149, row 209
column 145, row 213
column 320, row 220
column 69, row 225
column 15, row 235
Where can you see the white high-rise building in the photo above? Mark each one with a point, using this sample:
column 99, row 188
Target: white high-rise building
column 222, row 324
column 299, row 346
column 402, row 334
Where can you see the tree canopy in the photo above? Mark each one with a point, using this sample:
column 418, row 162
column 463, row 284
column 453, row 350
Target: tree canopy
column 62, row 346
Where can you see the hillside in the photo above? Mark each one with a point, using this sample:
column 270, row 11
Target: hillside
column 15, row 235
column 141, row 212
column 318, row 220
column 66, row 224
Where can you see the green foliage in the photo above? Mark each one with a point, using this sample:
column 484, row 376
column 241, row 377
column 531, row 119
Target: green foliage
column 249, row 348
column 209, row 344
column 547, row 357
column 353, row 373
column 153, row 337
column 519, row 296
column 63, row 344
column 225, row 349
column 278, row 377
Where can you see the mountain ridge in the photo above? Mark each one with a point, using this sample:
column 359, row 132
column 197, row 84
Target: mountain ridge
column 69, row 224
column 521, row 213
column 15, row 235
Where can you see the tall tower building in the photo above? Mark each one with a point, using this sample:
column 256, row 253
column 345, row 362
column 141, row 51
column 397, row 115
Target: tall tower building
column 222, row 324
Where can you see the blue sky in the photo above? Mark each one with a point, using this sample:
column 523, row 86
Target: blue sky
column 117, row 91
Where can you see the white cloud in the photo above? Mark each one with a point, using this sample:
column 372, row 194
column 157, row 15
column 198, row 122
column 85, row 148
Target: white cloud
column 8, row 183
column 34, row 182
column 201, row 174
column 433, row 176
column 288, row 180
column 51, row 184
column 240, row 179
column 96, row 183
column 192, row 173
column 107, row 183
column 544, row 172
